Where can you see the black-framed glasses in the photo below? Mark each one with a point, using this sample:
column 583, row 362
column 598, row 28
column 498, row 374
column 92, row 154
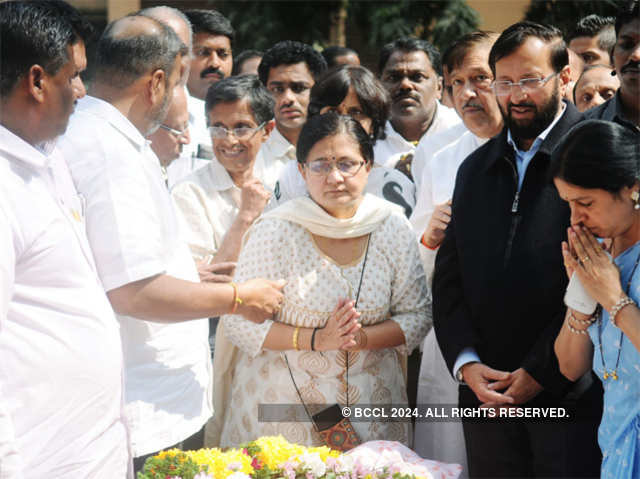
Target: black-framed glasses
column 241, row 133
column 173, row 131
column 528, row 85
column 346, row 167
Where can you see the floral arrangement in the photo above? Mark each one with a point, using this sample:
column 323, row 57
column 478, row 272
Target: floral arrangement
column 268, row 458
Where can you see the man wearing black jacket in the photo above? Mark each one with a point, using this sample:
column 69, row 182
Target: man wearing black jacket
column 499, row 278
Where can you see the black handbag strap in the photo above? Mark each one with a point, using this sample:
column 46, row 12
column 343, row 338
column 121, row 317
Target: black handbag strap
column 286, row 360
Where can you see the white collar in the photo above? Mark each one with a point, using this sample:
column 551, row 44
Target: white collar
column 108, row 112
column 280, row 145
column 14, row 147
column 219, row 177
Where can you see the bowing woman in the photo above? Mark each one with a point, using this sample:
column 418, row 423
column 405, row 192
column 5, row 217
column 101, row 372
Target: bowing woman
column 596, row 169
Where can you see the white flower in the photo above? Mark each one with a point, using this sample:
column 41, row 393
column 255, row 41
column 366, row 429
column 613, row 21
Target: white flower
column 313, row 463
column 344, row 464
column 238, row 475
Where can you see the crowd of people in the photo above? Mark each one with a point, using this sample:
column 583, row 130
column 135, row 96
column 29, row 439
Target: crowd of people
column 334, row 235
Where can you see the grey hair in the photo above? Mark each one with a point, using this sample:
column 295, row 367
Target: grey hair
column 161, row 12
column 125, row 53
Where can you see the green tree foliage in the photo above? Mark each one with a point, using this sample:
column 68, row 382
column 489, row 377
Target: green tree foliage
column 259, row 24
column 564, row 14
column 437, row 21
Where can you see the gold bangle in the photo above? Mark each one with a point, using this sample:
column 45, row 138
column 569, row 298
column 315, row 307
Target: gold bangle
column 295, row 338
column 236, row 299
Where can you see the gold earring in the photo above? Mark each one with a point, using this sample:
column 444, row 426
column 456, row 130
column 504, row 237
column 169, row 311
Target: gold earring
column 635, row 196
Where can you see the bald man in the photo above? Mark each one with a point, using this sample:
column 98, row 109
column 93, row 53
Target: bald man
column 145, row 267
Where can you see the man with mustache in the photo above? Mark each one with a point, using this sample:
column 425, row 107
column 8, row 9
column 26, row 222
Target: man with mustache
column 142, row 260
column 288, row 69
column 499, row 278
column 212, row 61
column 410, row 70
column 624, row 107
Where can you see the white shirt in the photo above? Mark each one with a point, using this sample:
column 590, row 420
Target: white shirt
column 277, row 152
column 387, row 152
column 438, row 181
column 61, row 398
column 387, row 183
column 429, row 145
column 134, row 234
column 199, row 151
column 209, row 201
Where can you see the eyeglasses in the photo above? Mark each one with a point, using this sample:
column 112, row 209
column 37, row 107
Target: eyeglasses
column 173, row 131
column 241, row 133
column 528, row 85
column 346, row 168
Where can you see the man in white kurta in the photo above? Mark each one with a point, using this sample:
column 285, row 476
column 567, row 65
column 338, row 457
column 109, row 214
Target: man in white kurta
column 429, row 146
column 394, row 146
column 61, row 368
column 61, row 398
column 134, row 234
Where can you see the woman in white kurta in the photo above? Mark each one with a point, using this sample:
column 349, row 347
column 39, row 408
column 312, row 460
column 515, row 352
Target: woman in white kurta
column 322, row 244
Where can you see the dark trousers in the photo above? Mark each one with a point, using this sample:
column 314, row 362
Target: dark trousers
column 524, row 448
column 189, row 444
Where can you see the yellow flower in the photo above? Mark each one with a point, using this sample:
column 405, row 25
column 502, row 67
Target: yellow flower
column 219, row 461
column 276, row 450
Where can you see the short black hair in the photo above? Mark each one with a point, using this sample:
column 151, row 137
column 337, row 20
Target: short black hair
column 333, row 86
column 37, row 33
column 289, row 52
column 238, row 60
column 320, row 127
column 456, row 52
column 122, row 59
column 595, row 25
column 514, row 37
column 409, row 45
column 241, row 87
column 627, row 13
column 331, row 53
column 598, row 154
column 210, row 21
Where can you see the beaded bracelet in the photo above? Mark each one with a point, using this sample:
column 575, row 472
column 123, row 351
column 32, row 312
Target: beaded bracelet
column 575, row 330
column 587, row 322
column 622, row 302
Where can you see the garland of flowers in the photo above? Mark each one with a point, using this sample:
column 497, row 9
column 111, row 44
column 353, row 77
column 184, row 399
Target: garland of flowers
column 264, row 458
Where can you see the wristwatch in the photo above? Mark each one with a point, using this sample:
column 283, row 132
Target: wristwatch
column 459, row 377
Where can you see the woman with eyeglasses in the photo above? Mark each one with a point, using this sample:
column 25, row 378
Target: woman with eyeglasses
column 355, row 301
column 354, row 91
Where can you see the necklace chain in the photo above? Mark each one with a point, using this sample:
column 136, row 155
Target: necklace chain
column 614, row 372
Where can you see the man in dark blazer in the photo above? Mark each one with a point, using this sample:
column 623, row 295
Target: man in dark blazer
column 499, row 278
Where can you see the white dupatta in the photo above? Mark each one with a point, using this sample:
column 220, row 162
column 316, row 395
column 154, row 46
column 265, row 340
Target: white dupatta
column 371, row 213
